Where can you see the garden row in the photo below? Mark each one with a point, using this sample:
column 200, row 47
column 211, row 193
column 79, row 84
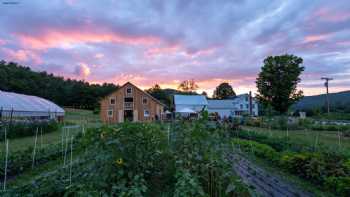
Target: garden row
column 21, row 161
column 24, row 129
column 330, row 170
column 282, row 123
column 134, row 159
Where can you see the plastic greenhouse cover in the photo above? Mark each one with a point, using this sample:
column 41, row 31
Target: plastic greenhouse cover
column 25, row 105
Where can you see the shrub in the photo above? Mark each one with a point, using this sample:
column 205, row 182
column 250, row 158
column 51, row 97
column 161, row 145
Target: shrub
column 260, row 150
column 339, row 185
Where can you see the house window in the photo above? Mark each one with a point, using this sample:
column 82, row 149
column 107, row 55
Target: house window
column 128, row 90
column 110, row 113
column 112, row 101
column 144, row 100
column 241, row 106
column 146, row 113
column 246, row 99
column 247, row 106
column 253, row 106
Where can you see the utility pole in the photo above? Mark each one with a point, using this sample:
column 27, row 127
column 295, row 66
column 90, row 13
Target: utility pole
column 327, row 79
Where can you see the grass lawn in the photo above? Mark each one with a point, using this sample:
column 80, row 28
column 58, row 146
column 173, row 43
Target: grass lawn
column 80, row 116
column 72, row 116
column 328, row 138
column 45, row 139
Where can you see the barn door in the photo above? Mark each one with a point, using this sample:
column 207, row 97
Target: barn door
column 120, row 116
column 136, row 117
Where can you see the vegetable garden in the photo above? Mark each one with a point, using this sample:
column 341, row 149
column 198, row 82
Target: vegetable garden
column 175, row 159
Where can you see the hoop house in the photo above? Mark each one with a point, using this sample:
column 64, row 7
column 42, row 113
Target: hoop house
column 13, row 105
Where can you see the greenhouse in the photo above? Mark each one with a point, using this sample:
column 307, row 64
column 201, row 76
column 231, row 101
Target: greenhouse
column 20, row 106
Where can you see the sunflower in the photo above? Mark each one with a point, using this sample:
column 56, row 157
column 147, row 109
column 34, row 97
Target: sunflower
column 119, row 162
column 102, row 135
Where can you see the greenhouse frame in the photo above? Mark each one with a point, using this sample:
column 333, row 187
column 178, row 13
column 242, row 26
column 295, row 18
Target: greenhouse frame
column 20, row 106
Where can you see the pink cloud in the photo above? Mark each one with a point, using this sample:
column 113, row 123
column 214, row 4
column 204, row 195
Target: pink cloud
column 67, row 38
column 316, row 38
column 82, row 70
column 2, row 42
column 327, row 14
column 22, row 55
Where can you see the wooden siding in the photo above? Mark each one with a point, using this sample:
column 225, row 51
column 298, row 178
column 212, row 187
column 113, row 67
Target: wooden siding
column 153, row 106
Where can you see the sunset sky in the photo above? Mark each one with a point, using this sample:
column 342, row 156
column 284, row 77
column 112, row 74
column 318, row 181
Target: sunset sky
column 165, row 42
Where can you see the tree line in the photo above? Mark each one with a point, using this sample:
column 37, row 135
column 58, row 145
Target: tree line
column 64, row 92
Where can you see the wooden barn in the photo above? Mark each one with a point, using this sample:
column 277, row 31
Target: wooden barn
column 130, row 103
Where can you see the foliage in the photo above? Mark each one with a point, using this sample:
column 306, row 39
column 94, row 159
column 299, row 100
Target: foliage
column 320, row 168
column 260, row 150
column 188, row 86
column 223, row 91
column 134, row 159
column 24, row 129
column 278, row 80
column 64, row 92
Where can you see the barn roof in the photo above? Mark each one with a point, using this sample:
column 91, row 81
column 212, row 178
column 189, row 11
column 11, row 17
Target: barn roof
column 190, row 100
column 25, row 103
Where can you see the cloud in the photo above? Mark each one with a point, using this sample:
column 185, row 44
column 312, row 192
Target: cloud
column 82, row 70
column 151, row 42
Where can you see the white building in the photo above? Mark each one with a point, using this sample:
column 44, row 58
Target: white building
column 242, row 104
column 224, row 108
column 13, row 105
column 190, row 103
column 234, row 106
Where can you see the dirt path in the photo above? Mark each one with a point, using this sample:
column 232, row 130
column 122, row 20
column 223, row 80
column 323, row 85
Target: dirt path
column 264, row 183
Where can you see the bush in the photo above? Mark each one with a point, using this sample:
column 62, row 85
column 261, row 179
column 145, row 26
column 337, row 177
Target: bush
column 24, row 129
column 339, row 185
column 260, row 150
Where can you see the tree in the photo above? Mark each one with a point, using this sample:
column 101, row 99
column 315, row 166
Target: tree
column 204, row 93
column 277, row 82
column 188, row 86
column 223, row 91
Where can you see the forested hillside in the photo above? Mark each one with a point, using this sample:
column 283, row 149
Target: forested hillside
column 64, row 92
column 338, row 101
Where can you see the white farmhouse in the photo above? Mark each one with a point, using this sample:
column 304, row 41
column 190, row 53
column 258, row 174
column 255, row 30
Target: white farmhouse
column 190, row 103
column 234, row 106
column 244, row 105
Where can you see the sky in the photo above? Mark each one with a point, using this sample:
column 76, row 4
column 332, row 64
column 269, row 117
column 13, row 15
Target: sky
column 168, row 41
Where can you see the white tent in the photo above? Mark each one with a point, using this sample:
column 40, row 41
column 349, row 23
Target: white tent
column 186, row 110
column 20, row 105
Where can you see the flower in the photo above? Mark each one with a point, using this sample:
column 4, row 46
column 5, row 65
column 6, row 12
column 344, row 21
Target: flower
column 119, row 162
column 102, row 135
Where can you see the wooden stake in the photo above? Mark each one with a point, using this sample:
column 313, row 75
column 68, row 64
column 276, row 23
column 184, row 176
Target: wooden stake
column 41, row 138
column 71, row 161
column 5, row 175
column 34, row 150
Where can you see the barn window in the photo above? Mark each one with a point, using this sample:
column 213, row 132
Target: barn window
column 146, row 113
column 112, row 101
column 110, row 113
column 128, row 90
column 144, row 100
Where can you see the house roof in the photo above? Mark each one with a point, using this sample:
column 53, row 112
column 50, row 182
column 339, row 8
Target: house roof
column 221, row 104
column 129, row 83
column 190, row 100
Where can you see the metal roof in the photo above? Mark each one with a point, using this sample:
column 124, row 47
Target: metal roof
column 25, row 104
column 190, row 100
column 221, row 104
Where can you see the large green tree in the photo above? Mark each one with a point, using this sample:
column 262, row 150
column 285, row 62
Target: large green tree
column 277, row 82
column 223, row 91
